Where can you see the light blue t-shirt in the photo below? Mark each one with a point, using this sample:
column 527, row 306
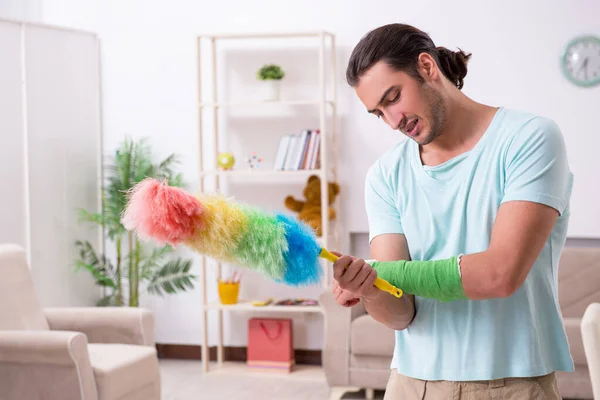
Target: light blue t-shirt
column 450, row 209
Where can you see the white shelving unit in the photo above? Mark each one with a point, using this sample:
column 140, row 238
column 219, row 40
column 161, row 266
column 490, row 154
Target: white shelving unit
column 245, row 305
column 326, row 107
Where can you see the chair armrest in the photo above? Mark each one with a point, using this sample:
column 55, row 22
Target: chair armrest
column 105, row 324
column 336, row 342
column 36, row 364
column 590, row 334
column 41, row 347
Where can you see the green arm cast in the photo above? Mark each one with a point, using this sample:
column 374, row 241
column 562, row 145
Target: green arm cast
column 436, row 279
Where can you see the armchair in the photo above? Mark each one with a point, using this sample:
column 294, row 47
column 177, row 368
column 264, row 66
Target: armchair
column 79, row 353
column 357, row 350
column 590, row 332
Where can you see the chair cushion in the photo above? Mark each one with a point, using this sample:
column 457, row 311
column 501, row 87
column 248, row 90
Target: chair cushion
column 371, row 338
column 122, row 368
column 371, row 363
column 578, row 280
column 573, row 330
column 576, row 384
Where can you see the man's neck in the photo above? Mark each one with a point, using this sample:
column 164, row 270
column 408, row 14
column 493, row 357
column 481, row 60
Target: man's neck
column 466, row 122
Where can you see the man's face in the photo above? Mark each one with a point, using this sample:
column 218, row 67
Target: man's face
column 416, row 109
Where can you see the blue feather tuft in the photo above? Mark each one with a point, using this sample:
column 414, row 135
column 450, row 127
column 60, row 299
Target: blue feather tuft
column 301, row 257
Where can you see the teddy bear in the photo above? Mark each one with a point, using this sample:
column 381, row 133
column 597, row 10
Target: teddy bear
column 310, row 209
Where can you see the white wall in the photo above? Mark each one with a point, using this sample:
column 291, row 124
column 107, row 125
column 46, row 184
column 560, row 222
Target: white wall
column 149, row 86
column 23, row 10
column 12, row 167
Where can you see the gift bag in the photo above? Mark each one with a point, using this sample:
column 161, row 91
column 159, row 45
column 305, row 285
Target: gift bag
column 270, row 344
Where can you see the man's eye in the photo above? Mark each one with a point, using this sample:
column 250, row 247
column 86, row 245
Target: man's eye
column 395, row 99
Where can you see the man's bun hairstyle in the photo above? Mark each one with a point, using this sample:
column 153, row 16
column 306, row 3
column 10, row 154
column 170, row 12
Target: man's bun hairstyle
column 399, row 46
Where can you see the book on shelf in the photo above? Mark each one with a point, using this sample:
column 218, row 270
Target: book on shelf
column 299, row 151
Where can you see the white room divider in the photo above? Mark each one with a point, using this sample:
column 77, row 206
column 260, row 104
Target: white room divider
column 50, row 144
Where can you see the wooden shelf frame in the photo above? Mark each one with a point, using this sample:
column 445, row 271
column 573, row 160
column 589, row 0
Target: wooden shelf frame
column 327, row 172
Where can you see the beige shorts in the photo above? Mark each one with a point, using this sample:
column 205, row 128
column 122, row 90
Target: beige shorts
column 538, row 388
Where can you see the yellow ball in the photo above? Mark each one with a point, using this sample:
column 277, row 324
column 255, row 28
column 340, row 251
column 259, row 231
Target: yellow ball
column 225, row 160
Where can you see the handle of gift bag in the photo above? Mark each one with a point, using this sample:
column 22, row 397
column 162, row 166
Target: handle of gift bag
column 266, row 331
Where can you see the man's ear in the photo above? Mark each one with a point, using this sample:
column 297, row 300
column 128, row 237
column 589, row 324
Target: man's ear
column 427, row 67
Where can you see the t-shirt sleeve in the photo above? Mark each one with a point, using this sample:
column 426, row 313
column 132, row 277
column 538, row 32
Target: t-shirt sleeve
column 537, row 168
column 382, row 213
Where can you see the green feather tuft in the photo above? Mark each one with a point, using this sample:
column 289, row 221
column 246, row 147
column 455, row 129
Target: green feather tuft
column 262, row 244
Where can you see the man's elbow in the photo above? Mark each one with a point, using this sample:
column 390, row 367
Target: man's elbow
column 503, row 290
column 399, row 323
column 505, row 282
column 398, row 326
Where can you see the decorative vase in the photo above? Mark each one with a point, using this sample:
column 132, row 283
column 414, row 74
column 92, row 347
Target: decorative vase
column 272, row 90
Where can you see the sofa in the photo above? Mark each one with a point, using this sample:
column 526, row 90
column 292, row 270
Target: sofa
column 71, row 353
column 357, row 350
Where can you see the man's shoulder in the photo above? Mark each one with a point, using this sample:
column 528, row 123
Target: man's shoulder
column 522, row 124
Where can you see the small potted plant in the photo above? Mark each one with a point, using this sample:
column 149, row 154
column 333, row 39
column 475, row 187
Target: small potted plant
column 272, row 75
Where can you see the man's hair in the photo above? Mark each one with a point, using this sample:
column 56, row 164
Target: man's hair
column 399, row 46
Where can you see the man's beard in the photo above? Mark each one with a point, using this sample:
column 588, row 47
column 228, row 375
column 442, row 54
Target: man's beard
column 437, row 113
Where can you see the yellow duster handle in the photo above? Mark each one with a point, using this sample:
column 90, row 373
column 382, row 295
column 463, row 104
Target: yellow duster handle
column 379, row 283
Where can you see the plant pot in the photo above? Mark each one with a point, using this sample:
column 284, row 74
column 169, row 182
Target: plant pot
column 272, row 89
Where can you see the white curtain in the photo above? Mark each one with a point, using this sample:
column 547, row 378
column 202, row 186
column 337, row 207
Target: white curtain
column 50, row 143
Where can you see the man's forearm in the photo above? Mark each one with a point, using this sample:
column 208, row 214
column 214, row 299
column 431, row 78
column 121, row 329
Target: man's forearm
column 436, row 279
column 395, row 313
column 483, row 275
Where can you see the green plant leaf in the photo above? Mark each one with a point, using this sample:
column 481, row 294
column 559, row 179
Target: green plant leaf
column 108, row 301
column 172, row 277
column 165, row 170
column 270, row 71
column 152, row 262
column 130, row 163
column 101, row 269
column 86, row 216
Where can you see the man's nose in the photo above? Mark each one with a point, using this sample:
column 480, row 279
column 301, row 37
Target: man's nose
column 393, row 120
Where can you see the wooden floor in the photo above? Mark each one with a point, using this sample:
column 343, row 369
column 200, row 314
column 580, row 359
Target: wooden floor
column 185, row 380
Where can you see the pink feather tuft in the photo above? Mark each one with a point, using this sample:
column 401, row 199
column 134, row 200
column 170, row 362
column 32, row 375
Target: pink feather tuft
column 161, row 212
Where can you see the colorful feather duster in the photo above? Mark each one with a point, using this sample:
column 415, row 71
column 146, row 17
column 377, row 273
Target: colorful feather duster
column 281, row 247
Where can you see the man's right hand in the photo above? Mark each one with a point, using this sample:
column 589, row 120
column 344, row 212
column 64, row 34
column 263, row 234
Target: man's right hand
column 344, row 297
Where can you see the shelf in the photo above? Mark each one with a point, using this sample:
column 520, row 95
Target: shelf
column 299, row 372
column 258, row 103
column 263, row 173
column 323, row 100
column 266, row 35
column 246, row 305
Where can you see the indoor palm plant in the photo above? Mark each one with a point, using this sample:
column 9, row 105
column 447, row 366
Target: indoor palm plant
column 135, row 264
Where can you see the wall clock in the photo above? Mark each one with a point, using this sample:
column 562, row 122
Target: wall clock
column 580, row 61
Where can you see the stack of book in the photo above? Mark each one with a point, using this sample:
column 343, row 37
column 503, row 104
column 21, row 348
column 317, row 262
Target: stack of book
column 299, row 151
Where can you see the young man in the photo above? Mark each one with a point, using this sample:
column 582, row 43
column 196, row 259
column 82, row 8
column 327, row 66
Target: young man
column 469, row 217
